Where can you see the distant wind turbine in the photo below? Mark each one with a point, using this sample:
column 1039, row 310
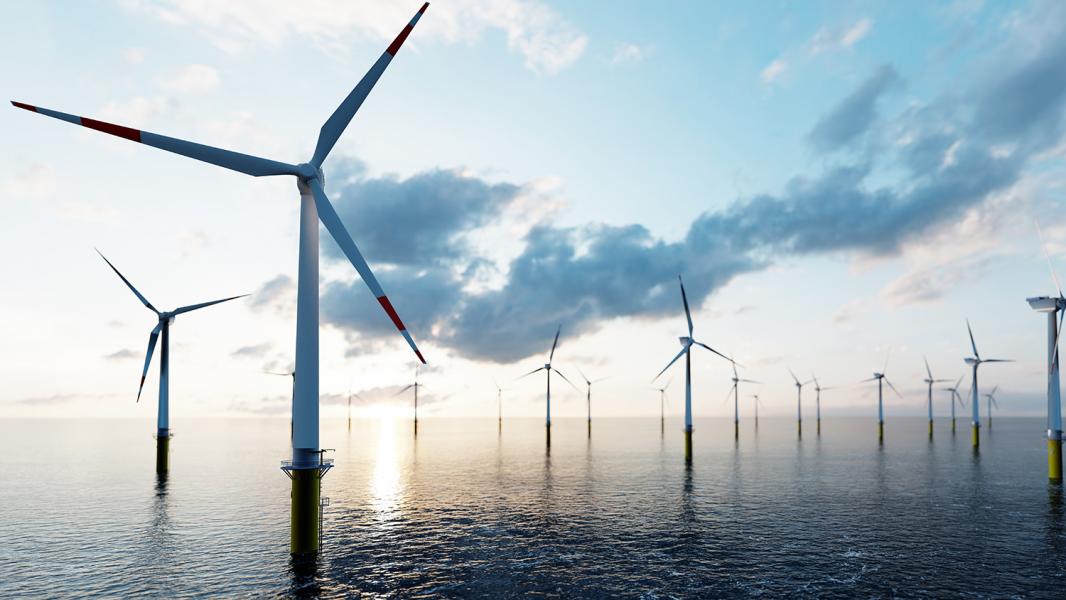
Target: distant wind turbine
column 662, row 405
column 881, row 379
column 955, row 397
column 975, row 404
column 929, row 380
column 799, row 401
column 499, row 406
column 818, row 389
column 686, row 346
column 415, row 387
column 991, row 398
column 1055, row 307
column 291, row 374
column 358, row 397
column 164, row 320
column 757, row 403
column 588, row 396
column 736, row 400
column 307, row 466
column 548, row 369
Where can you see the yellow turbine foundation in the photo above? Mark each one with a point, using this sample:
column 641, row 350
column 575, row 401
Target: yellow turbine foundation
column 930, row 429
column 688, row 445
column 1054, row 460
column 736, row 430
column 976, row 435
column 880, row 432
column 818, row 427
column 799, row 428
column 306, row 511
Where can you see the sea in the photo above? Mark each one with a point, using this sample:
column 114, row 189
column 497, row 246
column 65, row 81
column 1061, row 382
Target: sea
column 468, row 508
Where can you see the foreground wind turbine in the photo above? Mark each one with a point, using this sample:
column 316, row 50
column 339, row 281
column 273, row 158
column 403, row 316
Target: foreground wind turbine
column 799, row 401
column 548, row 369
column 1055, row 307
column 955, row 397
column 880, row 378
column 818, row 389
column 164, row 320
column 736, row 400
column 929, row 380
column 415, row 387
column 686, row 346
column 588, row 396
column 307, row 466
column 662, row 405
column 991, row 397
column 976, row 361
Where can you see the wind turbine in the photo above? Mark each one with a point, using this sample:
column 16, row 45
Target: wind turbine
column 588, row 396
column 880, row 378
column 164, row 320
column 662, row 405
column 499, row 405
column 976, row 361
column 358, row 397
column 548, row 369
column 415, row 387
column 291, row 374
column 686, row 346
column 955, row 397
column 818, row 389
column 799, row 401
column 307, row 466
column 757, row 402
column 1053, row 306
column 736, row 400
column 929, row 380
column 991, row 398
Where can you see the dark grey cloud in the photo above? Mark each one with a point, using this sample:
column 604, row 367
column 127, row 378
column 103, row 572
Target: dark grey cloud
column 279, row 292
column 956, row 153
column 855, row 113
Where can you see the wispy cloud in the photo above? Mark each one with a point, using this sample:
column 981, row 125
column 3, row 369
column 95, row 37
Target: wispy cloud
column 774, row 70
column 191, row 79
column 122, row 354
column 628, row 53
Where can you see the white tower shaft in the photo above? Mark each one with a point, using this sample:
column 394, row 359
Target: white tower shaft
column 305, row 399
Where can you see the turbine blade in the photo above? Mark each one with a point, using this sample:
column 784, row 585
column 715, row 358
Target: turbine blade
column 669, row 364
column 994, row 403
column 794, row 378
column 587, row 381
column 893, row 387
column 152, row 337
column 140, row 297
column 887, row 356
column 551, row 355
column 227, row 159
column 684, row 300
column 867, row 380
column 403, row 390
column 1047, row 255
column 334, row 126
column 713, row 350
column 972, row 343
column 993, row 392
column 560, row 374
column 192, row 307
column 538, row 369
column 336, row 228
column 927, row 369
column 749, row 381
column 988, row 360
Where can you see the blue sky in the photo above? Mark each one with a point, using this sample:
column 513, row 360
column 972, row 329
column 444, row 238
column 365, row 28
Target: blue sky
column 836, row 181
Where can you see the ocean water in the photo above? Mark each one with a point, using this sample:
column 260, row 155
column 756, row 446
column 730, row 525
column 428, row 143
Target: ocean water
column 465, row 511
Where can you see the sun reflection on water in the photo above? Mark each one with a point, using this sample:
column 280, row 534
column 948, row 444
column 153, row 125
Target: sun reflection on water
column 385, row 484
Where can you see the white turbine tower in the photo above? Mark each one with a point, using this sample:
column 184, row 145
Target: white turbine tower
column 662, row 406
column 991, row 398
column 588, row 396
column 164, row 319
column 736, row 400
column 955, row 397
column 818, row 389
column 929, row 380
column 548, row 369
column 881, row 379
column 686, row 346
column 976, row 361
column 307, row 465
column 1055, row 308
column 799, row 401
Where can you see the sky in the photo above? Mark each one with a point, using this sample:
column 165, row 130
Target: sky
column 840, row 184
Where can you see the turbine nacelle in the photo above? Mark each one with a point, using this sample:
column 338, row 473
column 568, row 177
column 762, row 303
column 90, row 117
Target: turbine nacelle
column 685, row 341
column 1046, row 304
column 547, row 365
column 306, row 172
column 972, row 361
column 879, row 375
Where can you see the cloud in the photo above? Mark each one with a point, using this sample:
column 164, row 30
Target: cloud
column 897, row 195
column 546, row 41
column 278, row 293
column 253, row 351
column 855, row 33
column 849, row 119
column 628, row 53
column 774, row 70
column 49, row 400
column 930, row 284
column 191, row 79
column 36, row 182
column 122, row 354
column 826, row 39
column 133, row 55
